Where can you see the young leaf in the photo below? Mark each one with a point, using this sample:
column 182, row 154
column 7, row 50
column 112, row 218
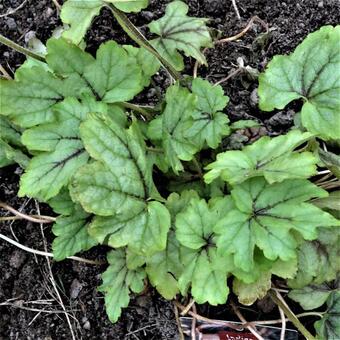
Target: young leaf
column 80, row 13
column 208, row 123
column 204, row 269
column 119, row 186
column 273, row 158
column 265, row 216
column 179, row 109
column 118, row 281
column 62, row 204
column 329, row 327
column 318, row 261
column 313, row 296
column 311, row 73
column 72, row 234
column 177, row 31
column 248, row 293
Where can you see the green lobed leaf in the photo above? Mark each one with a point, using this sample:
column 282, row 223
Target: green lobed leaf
column 79, row 14
column 273, row 158
column 180, row 105
column 118, row 187
column 72, row 234
column 118, row 282
column 328, row 327
column 208, row 124
column 203, row 268
column 177, row 31
column 310, row 73
column 266, row 215
column 114, row 75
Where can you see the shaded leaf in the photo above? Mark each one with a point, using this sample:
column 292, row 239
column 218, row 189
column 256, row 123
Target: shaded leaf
column 318, row 261
column 273, row 158
column 331, row 160
column 164, row 268
column 313, row 296
column 310, row 73
column 329, row 327
column 177, row 31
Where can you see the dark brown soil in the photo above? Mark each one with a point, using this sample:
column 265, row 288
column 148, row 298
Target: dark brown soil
column 25, row 278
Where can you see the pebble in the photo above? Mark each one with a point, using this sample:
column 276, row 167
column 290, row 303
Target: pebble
column 75, row 289
column 17, row 259
column 11, row 24
column 320, row 4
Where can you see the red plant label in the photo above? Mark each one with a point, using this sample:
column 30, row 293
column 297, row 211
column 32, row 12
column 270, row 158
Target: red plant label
column 236, row 336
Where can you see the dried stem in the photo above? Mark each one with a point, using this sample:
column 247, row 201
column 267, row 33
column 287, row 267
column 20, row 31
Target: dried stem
column 240, row 316
column 236, row 9
column 14, row 10
column 5, row 73
column 215, row 322
column 244, row 31
column 44, row 219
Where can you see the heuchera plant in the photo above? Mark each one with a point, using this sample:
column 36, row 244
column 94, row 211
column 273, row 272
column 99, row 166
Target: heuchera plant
column 93, row 157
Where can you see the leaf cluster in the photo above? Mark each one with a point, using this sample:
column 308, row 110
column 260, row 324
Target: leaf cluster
column 138, row 183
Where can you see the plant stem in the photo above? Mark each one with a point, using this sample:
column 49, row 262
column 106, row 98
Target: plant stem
column 276, row 297
column 139, row 38
column 11, row 44
column 137, row 108
column 198, row 167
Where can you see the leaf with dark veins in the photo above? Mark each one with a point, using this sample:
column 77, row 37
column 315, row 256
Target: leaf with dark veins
column 177, row 31
column 310, row 73
column 265, row 216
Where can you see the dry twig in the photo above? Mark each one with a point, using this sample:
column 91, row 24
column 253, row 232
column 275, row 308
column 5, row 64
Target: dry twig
column 240, row 316
column 42, row 219
column 236, row 9
column 14, row 10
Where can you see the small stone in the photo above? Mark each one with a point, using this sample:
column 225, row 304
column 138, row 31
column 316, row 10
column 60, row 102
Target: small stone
column 48, row 12
column 75, row 289
column 17, row 259
column 6, row 54
column 320, row 4
column 11, row 24
column 87, row 325
column 147, row 15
